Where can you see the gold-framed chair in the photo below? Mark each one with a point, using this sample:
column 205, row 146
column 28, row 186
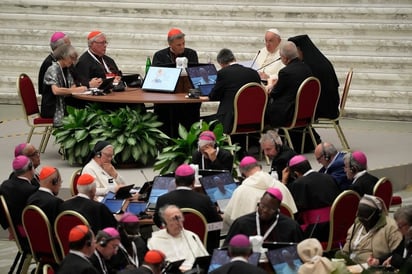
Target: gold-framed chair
column 195, row 222
column 335, row 123
column 48, row 269
column 40, row 235
column 383, row 189
column 73, row 181
column 342, row 216
column 285, row 210
column 64, row 222
column 23, row 257
column 249, row 111
column 38, row 125
column 305, row 107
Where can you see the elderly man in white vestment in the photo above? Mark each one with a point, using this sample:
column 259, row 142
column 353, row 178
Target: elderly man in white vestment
column 174, row 241
column 245, row 198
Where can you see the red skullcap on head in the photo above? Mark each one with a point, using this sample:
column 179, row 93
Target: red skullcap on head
column 275, row 192
column 173, row 32
column 207, row 136
column 247, row 160
column 184, row 170
column 129, row 218
column 93, row 34
column 85, row 179
column 239, row 240
column 20, row 162
column 18, row 150
column 46, row 172
column 112, row 232
column 57, row 36
column 154, row 257
column 77, row 233
column 297, row 160
column 360, row 157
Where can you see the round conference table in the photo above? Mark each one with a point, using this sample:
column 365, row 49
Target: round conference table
column 137, row 95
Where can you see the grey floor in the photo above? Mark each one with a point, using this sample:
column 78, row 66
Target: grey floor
column 388, row 145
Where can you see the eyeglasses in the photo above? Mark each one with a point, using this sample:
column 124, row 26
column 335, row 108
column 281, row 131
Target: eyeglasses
column 35, row 153
column 101, row 42
column 264, row 207
column 320, row 157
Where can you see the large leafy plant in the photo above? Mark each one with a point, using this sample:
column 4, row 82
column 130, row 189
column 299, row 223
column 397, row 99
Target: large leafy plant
column 133, row 133
column 181, row 149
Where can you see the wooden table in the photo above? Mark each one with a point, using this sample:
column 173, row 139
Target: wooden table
column 137, row 96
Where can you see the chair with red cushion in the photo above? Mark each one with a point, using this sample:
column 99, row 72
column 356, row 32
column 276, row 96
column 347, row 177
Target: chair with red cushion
column 334, row 123
column 48, row 269
column 38, row 125
column 305, row 107
column 249, row 111
column 383, row 190
column 73, row 181
column 342, row 216
column 23, row 256
column 64, row 222
column 285, row 210
column 195, row 222
column 41, row 239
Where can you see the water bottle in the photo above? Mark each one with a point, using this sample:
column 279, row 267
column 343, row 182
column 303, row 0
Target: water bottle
column 148, row 64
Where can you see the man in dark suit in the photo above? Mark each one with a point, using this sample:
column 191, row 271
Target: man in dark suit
column 332, row 163
column 46, row 198
column 97, row 214
column 356, row 170
column 185, row 197
column 283, row 95
column 239, row 250
column 17, row 190
column 229, row 80
column 82, row 245
column 314, row 194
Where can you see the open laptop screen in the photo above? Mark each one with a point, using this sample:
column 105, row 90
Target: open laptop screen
column 220, row 257
column 219, row 187
column 161, row 79
column 284, row 259
column 203, row 77
column 161, row 185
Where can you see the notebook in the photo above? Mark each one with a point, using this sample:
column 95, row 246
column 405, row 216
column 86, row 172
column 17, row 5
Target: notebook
column 203, row 77
column 219, row 187
column 220, row 257
column 284, row 259
column 161, row 79
column 161, row 185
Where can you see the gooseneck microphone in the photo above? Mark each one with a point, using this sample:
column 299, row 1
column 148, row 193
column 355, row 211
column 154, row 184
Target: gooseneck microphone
column 254, row 60
column 262, row 67
column 184, row 236
column 144, row 175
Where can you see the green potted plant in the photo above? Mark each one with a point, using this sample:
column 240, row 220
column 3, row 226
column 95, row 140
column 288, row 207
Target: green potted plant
column 134, row 135
column 182, row 148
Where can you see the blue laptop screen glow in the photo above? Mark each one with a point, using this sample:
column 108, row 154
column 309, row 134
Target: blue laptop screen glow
column 220, row 257
column 203, row 77
column 284, row 259
column 161, row 79
column 161, row 185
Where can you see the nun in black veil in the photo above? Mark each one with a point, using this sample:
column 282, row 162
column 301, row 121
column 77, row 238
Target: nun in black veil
column 322, row 68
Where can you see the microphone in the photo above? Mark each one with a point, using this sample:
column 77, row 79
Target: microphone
column 269, row 64
column 144, row 175
column 254, row 60
column 184, row 236
column 314, row 226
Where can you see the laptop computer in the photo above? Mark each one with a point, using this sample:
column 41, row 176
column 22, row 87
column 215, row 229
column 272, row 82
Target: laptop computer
column 115, row 206
column 203, row 77
column 123, row 192
column 220, row 257
column 161, row 79
column 219, row 187
column 107, row 84
column 284, row 259
column 161, row 185
column 136, row 207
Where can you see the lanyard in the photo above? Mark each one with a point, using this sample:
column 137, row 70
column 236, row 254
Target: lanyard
column 102, row 264
column 133, row 260
column 269, row 229
column 106, row 68
column 64, row 76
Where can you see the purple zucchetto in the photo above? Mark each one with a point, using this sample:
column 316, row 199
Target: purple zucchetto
column 57, row 36
column 297, row 160
column 275, row 192
column 20, row 162
column 239, row 240
column 247, row 160
column 129, row 218
column 360, row 157
column 184, row 170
